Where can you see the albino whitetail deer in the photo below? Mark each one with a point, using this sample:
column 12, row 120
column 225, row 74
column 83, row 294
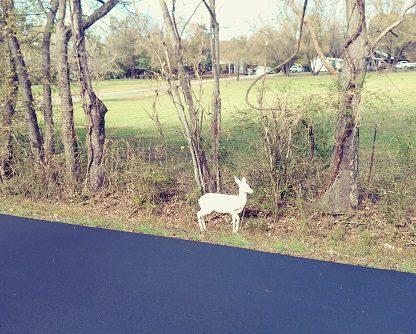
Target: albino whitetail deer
column 222, row 203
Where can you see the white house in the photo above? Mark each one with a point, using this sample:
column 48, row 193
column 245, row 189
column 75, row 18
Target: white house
column 317, row 66
column 377, row 60
column 260, row 70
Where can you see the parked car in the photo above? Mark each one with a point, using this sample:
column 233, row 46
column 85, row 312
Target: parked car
column 404, row 64
column 296, row 68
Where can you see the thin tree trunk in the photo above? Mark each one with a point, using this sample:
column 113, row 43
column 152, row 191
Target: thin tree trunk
column 191, row 131
column 49, row 132
column 215, row 99
column 93, row 107
column 25, row 85
column 8, row 108
column 341, row 191
column 69, row 137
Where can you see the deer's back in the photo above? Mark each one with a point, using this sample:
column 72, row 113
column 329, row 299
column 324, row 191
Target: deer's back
column 221, row 203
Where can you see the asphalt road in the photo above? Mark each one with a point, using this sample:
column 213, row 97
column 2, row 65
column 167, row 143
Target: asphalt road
column 58, row 278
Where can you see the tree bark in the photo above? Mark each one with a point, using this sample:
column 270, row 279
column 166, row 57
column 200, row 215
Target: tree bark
column 340, row 194
column 69, row 136
column 93, row 107
column 49, row 132
column 215, row 99
column 25, row 85
column 63, row 35
column 7, row 111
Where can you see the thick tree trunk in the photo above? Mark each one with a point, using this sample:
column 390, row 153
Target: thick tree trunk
column 49, row 132
column 341, row 191
column 69, row 137
column 93, row 107
column 25, row 86
column 215, row 99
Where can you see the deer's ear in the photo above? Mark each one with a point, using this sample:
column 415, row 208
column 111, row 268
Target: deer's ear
column 236, row 180
column 243, row 179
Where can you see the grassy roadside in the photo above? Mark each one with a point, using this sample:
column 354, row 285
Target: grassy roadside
column 363, row 239
column 382, row 235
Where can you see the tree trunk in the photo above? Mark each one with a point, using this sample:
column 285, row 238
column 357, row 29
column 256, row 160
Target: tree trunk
column 8, row 108
column 341, row 191
column 49, row 132
column 93, row 107
column 215, row 99
column 69, row 137
column 25, row 85
column 190, row 122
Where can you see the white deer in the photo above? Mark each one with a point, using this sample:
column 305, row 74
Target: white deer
column 222, row 203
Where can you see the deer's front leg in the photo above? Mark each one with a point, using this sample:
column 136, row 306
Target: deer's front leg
column 236, row 218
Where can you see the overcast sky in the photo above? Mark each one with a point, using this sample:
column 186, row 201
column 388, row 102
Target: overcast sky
column 236, row 17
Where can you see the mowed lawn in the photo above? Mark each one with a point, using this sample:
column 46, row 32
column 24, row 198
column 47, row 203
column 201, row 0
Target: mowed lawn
column 389, row 102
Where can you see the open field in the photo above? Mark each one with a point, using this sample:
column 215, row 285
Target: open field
column 389, row 103
column 382, row 234
column 388, row 97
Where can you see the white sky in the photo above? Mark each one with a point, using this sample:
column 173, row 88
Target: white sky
column 236, row 17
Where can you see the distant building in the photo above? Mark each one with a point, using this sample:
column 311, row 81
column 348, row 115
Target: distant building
column 379, row 60
column 260, row 70
column 317, row 66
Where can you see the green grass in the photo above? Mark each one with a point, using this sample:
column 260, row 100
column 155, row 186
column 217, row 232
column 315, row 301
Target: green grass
column 234, row 240
column 296, row 247
column 388, row 98
column 279, row 247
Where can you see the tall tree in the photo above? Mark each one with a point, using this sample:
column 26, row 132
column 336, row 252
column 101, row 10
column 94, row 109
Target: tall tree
column 93, row 107
column 216, row 96
column 8, row 96
column 341, row 190
column 340, row 194
column 188, row 112
column 63, row 35
column 49, row 132
column 25, row 85
column 69, row 136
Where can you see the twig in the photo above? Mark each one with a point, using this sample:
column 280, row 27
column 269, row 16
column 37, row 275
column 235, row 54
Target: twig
column 372, row 155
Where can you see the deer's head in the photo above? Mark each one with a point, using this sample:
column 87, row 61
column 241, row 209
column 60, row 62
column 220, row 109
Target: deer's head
column 243, row 186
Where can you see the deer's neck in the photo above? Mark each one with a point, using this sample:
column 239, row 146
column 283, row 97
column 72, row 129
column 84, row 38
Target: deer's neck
column 243, row 197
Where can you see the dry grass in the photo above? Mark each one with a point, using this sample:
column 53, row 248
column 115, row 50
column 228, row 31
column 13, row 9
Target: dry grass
column 366, row 238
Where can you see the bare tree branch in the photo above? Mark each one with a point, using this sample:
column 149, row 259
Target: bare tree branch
column 99, row 13
column 211, row 12
column 302, row 19
column 393, row 25
column 42, row 6
column 187, row 22
column 315, row 42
